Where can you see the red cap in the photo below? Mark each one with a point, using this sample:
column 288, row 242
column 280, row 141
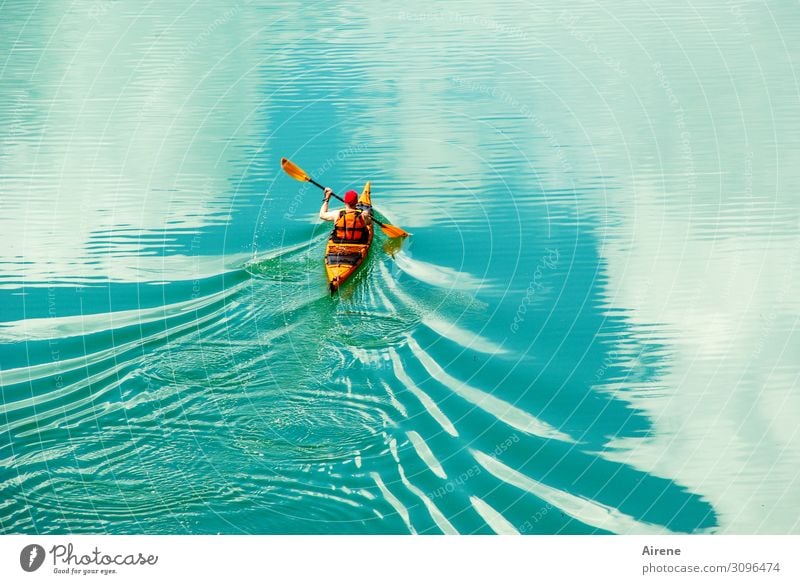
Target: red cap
column 351, row 198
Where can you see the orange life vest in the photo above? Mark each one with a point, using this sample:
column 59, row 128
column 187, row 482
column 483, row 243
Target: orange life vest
column 350, row 226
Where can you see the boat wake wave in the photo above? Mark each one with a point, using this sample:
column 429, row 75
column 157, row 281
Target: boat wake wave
column 364, row 406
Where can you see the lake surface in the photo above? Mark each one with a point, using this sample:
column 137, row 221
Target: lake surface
column 592, row 329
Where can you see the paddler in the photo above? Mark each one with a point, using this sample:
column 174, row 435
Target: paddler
column 351, row 223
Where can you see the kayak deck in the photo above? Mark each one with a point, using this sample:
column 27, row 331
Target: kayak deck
column 343, row 259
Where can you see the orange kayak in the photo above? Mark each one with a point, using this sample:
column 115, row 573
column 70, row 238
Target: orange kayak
column 343, row 259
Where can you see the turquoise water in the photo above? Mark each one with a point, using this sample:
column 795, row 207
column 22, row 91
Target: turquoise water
column 592, row 329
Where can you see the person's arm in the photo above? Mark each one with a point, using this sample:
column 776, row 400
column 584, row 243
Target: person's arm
column 367, row 215
column 324, row 214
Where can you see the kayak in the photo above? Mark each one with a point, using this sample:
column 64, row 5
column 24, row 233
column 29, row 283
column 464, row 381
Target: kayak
column 343, row 259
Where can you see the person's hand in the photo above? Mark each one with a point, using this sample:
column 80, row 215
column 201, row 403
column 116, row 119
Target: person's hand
column 327, row 194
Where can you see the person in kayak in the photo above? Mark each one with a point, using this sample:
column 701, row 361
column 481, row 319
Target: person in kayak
column 351, row 223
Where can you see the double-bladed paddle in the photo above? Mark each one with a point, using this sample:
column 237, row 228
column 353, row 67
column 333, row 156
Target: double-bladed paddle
column 298, row 173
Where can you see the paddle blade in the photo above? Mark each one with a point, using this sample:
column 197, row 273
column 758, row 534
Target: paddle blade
column 393, row 231
column 293, row 170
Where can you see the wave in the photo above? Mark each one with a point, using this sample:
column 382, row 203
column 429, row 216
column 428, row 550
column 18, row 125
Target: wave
column 266, row 393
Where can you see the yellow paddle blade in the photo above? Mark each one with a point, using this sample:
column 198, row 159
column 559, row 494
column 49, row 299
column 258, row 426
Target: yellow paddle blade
column 293, row 170
column 393, row 231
